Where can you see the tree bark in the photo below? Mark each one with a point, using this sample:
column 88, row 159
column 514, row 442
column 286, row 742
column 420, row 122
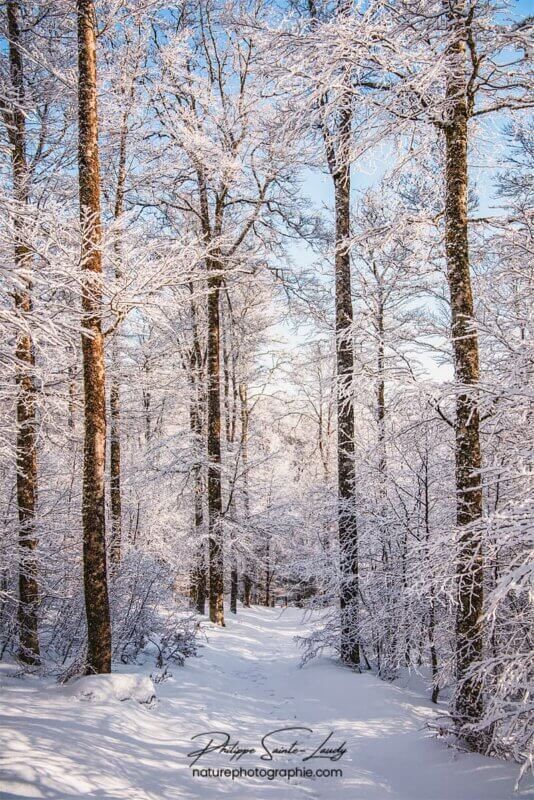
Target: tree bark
column 198, row 573
column 268, row 574
column 469, row 568
column 234, row 574
column 243, row 399
column 432, row 606
column 348, row 541
column 72, row 389
column 115, row 548
column 26, row 458
column 337, row 146
column 381, row 391
column 229, row 414
column 215, row 543
column 199, row 582
column 93, row 508
column 390, row 627
column 213, row 422
column 233, row 584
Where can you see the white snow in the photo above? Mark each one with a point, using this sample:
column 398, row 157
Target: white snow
column 103, row 688
column 247, row 683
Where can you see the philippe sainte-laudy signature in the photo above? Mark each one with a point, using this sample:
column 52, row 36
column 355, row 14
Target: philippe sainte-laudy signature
column 272, row 745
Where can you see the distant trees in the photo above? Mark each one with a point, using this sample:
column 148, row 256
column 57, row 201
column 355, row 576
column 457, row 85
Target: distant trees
column 213, row 115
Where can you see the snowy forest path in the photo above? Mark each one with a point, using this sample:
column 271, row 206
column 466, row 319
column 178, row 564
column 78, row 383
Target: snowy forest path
column 247, row 684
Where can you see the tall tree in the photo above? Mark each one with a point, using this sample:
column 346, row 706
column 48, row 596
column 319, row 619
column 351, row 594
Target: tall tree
column 340, row 170
column 26, row 399
column 93, row 503
column 199, row 578
column 230, row 417
column 470, row 572
column 115, row 388
column 244, row 415
column 337, row 134
column 213, row 369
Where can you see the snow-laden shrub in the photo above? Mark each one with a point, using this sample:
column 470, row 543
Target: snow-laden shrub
column 149, row 618
column 141, row 589
column 505, row 674
column 106, row 688
column 177, row 641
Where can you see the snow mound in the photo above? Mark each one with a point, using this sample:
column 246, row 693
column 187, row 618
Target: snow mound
column 103, row 688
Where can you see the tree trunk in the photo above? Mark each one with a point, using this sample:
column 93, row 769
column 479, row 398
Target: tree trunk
column 432, row 609
column 381, row 396
column 198, row 573
column 226, row 382
column 391, row 625
column 115, row 549
column 215, row 544
column 468, row 701
column 337, row 147
column 432, row 643
column 213, row 424
column 229, row 427
column 267, row 596
column 71, row 371
column 199, row 582
column 348, row 542
column 147, row 399
column 247, row 587
column 26, row 458
column 234, row 574
column 243, row 399
column 233, row 585
column 93, row 508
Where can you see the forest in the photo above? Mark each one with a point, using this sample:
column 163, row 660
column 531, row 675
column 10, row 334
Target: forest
column 266, row 314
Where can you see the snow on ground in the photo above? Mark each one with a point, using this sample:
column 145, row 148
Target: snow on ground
column 106, row 688
column 57, row 743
